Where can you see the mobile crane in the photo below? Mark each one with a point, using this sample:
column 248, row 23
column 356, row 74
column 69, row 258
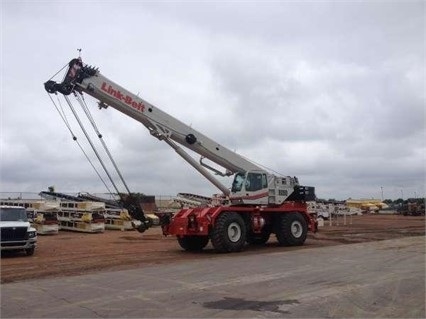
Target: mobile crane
column 258, row 203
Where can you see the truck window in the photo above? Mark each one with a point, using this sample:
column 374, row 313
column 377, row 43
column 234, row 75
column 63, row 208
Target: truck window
column 13, row 215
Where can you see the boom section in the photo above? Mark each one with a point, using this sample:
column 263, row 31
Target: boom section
column 160, row 124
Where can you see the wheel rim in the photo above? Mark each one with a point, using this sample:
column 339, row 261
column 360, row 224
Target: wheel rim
column 296, row 229
column 234, row 232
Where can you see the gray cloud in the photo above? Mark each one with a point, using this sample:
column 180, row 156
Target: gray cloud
column 332, row 92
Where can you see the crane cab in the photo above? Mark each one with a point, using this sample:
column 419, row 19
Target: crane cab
column 261, row 188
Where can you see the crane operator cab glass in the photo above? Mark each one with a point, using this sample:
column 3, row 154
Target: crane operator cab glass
column 250, row 182
column 237, row 185
column 250, row 188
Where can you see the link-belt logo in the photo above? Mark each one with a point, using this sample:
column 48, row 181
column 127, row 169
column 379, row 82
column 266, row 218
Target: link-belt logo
column 124, row 98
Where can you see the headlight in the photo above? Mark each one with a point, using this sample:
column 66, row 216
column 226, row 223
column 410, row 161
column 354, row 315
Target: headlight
column 32, row 234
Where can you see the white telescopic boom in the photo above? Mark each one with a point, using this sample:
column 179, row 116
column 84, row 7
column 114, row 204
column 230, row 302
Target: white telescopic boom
column 162, row 125
column 83, row 78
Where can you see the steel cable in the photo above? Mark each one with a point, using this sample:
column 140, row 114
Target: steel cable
column 65, row 120
column 83, row 105
column 91, row 143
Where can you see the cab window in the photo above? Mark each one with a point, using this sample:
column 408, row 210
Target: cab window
column 264, row 181
column 254, row 182
column 238, row 182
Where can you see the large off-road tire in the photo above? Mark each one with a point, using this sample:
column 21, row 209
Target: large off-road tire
column 292, row 229
column 30, row 251
column 258, row 239
column 193, row 243
column 229, row 233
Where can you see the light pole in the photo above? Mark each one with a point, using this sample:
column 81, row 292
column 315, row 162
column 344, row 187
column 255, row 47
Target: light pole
column 382, row 192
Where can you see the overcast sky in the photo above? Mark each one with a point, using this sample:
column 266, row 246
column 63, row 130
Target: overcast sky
column 332, row 92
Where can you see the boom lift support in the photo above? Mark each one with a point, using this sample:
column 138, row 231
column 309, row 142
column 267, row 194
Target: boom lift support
column 260, row 203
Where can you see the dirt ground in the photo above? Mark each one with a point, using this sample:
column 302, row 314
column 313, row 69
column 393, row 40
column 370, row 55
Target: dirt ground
column 72, row 253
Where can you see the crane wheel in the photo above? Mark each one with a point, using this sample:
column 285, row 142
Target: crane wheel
column 292, row 229
column 229, row 233
column 193, row 243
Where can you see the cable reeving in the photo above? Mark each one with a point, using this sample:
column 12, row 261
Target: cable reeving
column 91, row 143
column 86, row 110
column 65, row 120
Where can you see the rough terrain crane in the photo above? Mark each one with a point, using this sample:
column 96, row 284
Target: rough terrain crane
column 258, row 203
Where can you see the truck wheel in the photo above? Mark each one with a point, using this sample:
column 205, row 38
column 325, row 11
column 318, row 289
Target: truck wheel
column 229, row 233
column 193, row 243
column 292, row 229
column 30, row 251
column 258, row 239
